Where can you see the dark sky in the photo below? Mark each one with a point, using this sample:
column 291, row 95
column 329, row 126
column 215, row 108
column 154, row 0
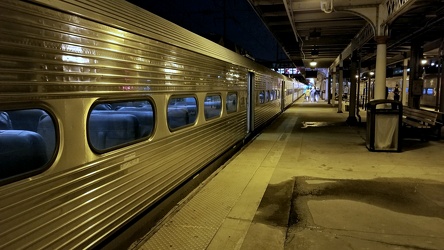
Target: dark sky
column 206, row 18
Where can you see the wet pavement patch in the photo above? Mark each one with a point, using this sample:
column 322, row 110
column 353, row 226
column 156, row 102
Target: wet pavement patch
column 409, row 196
column 319, row 124
column 382, row 213
column 275, row 205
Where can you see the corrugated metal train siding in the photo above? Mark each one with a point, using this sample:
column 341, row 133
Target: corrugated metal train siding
column 47, row 57
column 129, row 17
column 48, row 54
column 63, row 216
column 265, row 111
column 52, row 56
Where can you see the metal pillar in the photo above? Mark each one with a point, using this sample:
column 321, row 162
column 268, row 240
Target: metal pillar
column 333, row 88
column 328, row 89
column 404, row 97
column 415, row 83
column 358, row 86
column 341, row 85
column 441, row 76
column 381, row 64
column 352, row 104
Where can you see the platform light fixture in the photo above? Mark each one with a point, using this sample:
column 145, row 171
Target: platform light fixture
column 313, row 63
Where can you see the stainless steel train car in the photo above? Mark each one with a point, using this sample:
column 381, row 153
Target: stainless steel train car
column 106, row 111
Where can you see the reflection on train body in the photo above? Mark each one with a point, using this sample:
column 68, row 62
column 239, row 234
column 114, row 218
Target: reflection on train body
column 106, row 112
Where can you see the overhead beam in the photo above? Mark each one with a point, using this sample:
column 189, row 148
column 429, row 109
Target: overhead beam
column 289, row 10
column 266, row 2
column 258, row 13
column 388, row 11
column 321, row 24
column 395, row 8
column 275, row 14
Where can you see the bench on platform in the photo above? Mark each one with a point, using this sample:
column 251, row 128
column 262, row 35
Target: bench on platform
column 420, row 120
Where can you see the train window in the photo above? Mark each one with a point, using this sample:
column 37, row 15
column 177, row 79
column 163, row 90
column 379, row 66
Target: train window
column 267, row 96
column 231, row 103
column 262, row 96
column 27, row 141
column 113, row 124
column 182, row 111
column 212, row 106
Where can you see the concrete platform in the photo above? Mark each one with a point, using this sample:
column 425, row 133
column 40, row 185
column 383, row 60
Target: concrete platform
column 309, row 182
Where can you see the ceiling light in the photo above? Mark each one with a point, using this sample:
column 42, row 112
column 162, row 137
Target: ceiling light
column 372, row 73
column 423, row 61
column 313, row 63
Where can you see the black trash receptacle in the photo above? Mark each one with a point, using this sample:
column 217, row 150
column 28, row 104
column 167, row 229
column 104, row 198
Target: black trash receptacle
column 384, row 118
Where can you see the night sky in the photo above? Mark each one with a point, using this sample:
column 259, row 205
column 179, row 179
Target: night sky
column 206, row 18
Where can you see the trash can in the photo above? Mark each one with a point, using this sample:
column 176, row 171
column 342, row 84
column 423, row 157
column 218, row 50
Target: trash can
column 384, row 118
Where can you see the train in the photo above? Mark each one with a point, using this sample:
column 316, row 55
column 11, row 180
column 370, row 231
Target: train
column 107, row 112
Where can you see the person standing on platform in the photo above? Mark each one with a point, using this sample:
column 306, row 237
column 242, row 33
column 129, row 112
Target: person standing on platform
column 345, row 95
column 312, row 94
column 317, row 94
column 396, row 93
column 307, row 94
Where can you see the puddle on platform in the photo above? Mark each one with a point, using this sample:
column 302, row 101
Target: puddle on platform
column 275, row 205
column 317, row 124
column 409, row 196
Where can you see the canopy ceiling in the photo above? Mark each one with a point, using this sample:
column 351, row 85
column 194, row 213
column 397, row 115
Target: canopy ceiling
column 308, row 33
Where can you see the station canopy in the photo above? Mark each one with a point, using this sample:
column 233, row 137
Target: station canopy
column 313, row 30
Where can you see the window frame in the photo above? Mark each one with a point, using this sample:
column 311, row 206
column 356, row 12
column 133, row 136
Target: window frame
column 125, row 144
column 196, row 115
column 237, row 102
column 50, row 157
column 220, row 109
column 261, row 100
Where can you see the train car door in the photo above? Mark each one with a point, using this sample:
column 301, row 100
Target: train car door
column 250, row 103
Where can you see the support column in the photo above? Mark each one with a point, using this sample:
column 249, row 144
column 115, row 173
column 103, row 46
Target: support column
column 441, row 76
column 404, row 97
column 369, row 89
column 381, row 64
column 415, row 82
column 341, row 85
column 358, row 86
column 333, row 88
column 352, row 104
column 328, row 89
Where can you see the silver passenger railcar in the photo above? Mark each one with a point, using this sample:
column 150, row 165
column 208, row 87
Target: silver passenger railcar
column 106, row 110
